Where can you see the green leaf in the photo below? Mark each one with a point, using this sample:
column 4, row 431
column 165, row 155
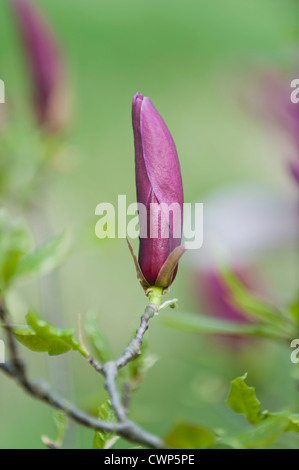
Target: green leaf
column 268, row 427
column 59, row 340
column 40, row 336
column 14, row 243
column 15, row 258
column 197, row 323
column 189, row 436
column 293, row 423
column 262, row 435
column 45, row 258
column 105, row 440
column 294, row 310
column 242, row 399
column 241, row 297
column 27, row 336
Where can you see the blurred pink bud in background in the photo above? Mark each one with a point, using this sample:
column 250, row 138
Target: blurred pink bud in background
column 241, row 225
column 51, row 97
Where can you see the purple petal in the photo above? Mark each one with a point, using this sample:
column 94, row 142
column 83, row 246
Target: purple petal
column 160, row 156
column 295, row 171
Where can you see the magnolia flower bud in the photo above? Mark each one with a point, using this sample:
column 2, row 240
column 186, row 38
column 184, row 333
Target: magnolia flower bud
column 51, row 97
column 159, row 194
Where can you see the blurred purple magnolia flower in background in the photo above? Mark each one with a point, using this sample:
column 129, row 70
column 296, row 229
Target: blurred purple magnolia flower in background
column 159, row 185
column 271, row 99
column 50, row 88
column 241, row 226
column 214, row 296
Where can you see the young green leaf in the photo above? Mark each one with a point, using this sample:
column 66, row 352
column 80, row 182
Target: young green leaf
column 268, row 427
column 262, row 435
column 27, row 336
column 14, row 244
column 59, row 340
column 197, row 323
column 293, row 423
column 40, row 336
column 45, row 258
column 242, row 399
column 105, row 440
column 253, row 306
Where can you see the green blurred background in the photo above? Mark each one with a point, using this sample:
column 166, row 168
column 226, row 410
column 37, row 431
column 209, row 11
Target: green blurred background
column 194, row 59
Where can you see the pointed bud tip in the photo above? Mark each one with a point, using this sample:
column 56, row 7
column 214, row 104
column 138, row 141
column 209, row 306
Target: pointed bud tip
column 138, row 95
column 137, row 99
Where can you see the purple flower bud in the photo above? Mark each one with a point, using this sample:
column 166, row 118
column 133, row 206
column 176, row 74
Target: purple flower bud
column 160, row 191
column 51, row 97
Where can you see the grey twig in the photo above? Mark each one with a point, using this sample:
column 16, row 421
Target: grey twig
column 110, row 369
column 129, row 430
column 12, row 345
column 133, row 350
column 110, row 373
